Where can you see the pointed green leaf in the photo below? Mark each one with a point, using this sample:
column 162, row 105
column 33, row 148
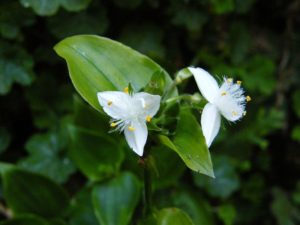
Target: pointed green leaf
column 115, row 200
column 189, row 143
column 173, row 216
column 26, row 192
column 99, row 64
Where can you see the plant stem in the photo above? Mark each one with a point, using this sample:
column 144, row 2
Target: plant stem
column 147, row 188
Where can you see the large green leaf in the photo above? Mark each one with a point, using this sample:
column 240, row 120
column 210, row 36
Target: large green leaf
column 97, row 156
column 95, row 151
column 173, row 216
column 115, row 200
column 26, row 192
column 189, row 143
column 100, row 64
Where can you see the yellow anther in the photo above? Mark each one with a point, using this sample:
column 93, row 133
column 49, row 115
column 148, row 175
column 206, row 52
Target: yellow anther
column 148, row 118
column 126, row 90
column 234, row 113
column 113, row 124
column 130, row 128
column 244, row 113
column 248, row 98
column 109, row 103
column 229, row 80
column 223, row 93
column 239, row 82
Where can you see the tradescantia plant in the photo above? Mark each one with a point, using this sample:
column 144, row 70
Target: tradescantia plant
column 136, row 96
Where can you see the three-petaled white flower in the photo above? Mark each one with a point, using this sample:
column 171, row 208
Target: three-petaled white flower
column 227, row 100
column 129, row 113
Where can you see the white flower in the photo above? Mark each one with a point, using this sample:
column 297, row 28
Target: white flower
column 129, row 113
column 227, row 100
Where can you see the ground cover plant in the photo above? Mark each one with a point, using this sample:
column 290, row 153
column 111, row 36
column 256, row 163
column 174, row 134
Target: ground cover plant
column 106, row 116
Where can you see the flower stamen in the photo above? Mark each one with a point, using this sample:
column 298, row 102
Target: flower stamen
column 223, row 93
column 126, row 90
column 244, row 113
column 113, row 124
column 109, row 103
column 130, row 128
column 148, row 119
column 234, row 113
column 248, row 98
column 229, row 80
column 239, row 82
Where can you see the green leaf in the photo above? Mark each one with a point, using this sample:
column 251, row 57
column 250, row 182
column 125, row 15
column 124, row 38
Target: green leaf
column 42, row 7
column 283, row 210
column 100, row 64
column 227, row 179
column 75, row 5
column 156, row 84
column 95, row 151
column 4, row 139
column 189, row 143
column 115, row 200
column 15, row 66
column 97, row 156
column 12, row 18
column 26, row 192
column 81, row 210
column 222, row 6
column 227, row 213
column 4, row 167
column 173, row 216
column 175, row 166
column 195, row 206
column 49, row 8
column 47, row 156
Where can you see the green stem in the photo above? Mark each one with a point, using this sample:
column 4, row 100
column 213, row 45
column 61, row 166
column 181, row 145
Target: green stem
column 147, row 188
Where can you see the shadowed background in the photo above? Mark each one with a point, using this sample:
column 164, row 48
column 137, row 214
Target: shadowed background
column 256, row 161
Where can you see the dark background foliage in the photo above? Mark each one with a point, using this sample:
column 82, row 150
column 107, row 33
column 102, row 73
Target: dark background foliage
column 256, row 161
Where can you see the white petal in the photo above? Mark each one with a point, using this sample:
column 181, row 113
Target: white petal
column 137, row 138
column 207, row 85
column 115, row 103
column 150, row 103
column 210, row 122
